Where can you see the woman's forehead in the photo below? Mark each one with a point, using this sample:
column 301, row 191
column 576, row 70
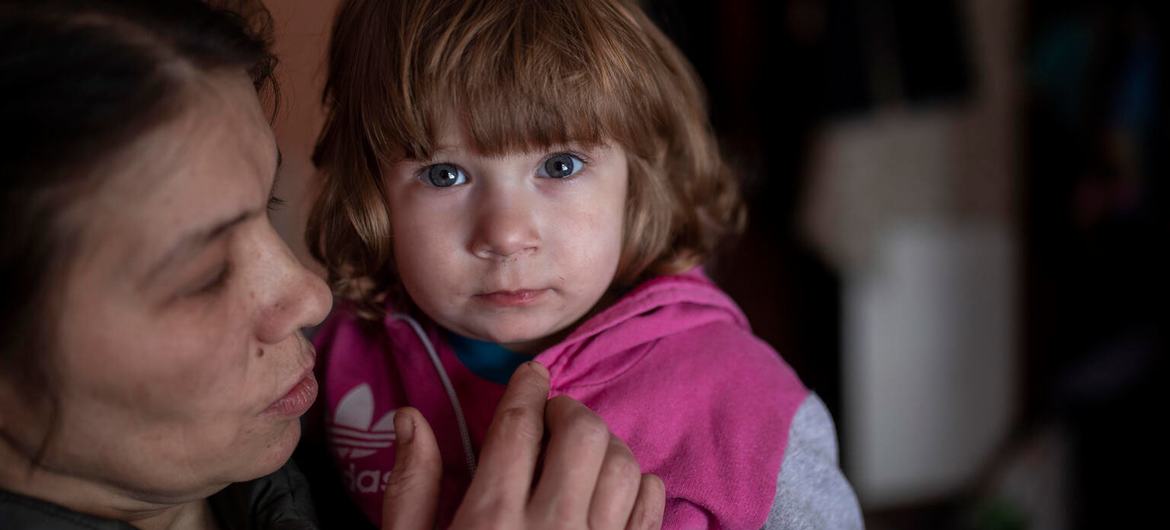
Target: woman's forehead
column 204, row 151
column 214, row 160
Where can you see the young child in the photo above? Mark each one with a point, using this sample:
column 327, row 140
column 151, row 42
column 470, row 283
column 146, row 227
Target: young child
column 508, row 180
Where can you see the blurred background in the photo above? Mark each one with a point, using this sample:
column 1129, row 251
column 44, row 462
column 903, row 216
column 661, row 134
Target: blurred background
column 955, row 237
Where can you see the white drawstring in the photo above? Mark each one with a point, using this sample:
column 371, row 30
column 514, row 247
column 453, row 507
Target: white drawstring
column 468, row 451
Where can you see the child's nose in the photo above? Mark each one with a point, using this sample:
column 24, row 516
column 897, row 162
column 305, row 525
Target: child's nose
column 506, row 228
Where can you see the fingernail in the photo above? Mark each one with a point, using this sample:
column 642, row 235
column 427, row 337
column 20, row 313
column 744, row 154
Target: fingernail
column 403, row 428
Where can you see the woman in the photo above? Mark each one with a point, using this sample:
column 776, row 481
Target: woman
column 152, row 372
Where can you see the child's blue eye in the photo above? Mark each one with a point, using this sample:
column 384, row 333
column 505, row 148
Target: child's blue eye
column 561, row 165
column 443, row 175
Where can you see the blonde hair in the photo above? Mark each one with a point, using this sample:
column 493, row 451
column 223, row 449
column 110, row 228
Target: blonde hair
column 524, row 74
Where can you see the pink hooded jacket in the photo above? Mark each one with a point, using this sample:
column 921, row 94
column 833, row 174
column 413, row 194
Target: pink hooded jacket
column 672, row 368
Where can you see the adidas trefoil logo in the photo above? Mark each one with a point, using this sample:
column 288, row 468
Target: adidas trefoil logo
column 352, row 432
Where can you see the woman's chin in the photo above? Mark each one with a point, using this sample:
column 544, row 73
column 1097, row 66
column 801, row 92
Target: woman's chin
column 274, row 453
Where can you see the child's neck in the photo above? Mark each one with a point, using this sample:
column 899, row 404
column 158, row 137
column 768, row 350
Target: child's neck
column 487, row 360
column 533, row 347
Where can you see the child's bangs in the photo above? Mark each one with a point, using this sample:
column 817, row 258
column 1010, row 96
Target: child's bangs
column 529, row 75
column 501, row 116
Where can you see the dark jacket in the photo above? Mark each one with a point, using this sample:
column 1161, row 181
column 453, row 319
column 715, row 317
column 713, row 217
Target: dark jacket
column 279, row 501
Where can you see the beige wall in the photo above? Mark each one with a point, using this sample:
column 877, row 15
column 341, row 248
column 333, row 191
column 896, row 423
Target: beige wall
column 302, row 32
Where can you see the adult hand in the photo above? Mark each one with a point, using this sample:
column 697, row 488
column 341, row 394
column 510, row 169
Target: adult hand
column 589, row 478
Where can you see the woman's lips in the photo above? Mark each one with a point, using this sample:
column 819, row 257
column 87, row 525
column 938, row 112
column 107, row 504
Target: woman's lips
column 515, row 298
column 298, row 399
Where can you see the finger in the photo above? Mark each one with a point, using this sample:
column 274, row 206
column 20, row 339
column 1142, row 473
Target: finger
column 647, row 514
column 507, row 460
column 578, row 441
column 413, row 489
column 617, row 488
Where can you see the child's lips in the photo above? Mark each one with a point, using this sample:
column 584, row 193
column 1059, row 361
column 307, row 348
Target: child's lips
column 512, row 298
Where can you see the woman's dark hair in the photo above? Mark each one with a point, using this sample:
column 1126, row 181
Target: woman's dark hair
column 80, row 81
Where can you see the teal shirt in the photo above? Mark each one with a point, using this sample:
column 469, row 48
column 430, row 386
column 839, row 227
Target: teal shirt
column 486, row 359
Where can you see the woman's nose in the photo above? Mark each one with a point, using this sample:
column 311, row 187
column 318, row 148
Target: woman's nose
column 506, row 227
column 299, row 298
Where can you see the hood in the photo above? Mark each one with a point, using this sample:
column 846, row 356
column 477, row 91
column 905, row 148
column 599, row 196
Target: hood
column 606, row 345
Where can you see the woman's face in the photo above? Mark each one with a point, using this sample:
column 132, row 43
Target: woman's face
column 179, row 365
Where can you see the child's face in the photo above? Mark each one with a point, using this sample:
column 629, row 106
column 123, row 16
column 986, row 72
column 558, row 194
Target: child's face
column 510, row 249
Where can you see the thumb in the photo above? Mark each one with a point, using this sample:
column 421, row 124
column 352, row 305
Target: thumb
column 413, row 489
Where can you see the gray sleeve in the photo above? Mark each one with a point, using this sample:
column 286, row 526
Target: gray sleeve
column 811, row 491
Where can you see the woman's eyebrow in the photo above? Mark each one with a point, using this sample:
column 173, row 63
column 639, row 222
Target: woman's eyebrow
column 194, row 241
column 191, row 243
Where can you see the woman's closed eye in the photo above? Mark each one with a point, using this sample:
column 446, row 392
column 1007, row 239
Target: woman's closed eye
column 212, row 282
column 275, row 203
column 203, row 289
